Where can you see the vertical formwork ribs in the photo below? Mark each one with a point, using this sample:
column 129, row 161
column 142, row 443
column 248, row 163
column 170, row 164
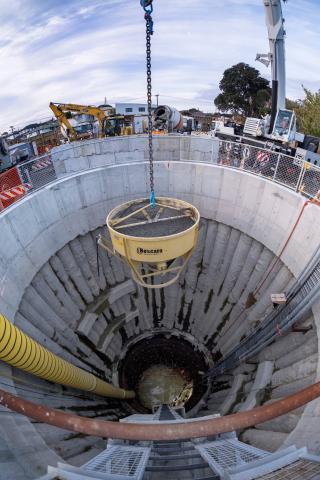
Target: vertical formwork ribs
column 300, row 298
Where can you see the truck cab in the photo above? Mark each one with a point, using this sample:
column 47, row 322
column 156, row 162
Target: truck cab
column 6, row 161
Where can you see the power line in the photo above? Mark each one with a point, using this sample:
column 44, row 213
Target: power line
column 191, row 100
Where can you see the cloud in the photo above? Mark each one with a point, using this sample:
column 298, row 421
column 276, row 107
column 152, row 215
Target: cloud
column 80, row 51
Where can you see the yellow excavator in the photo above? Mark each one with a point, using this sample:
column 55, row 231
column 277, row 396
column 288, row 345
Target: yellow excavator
column 109, row 125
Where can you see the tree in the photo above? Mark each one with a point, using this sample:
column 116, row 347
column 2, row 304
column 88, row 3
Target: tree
column 243, row 91
column 308, row 113
column 293, row 104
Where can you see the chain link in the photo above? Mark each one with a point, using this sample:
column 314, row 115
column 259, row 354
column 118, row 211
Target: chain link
column 149, row 31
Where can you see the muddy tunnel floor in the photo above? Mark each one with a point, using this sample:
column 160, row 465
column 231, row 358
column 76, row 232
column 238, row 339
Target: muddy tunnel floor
column 157, row 367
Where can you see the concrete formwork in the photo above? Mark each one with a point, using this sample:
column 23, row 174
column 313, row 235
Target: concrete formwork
column 51, row 288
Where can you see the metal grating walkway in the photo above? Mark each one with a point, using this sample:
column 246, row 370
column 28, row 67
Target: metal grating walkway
column 117, row 462
column 124, row 462
column 301, row 469
column 224, row 454
column 225, row 458
column 291, row 463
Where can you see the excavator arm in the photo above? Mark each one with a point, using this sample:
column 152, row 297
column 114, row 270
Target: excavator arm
column 87, row 109
column 63, row 121
column 60, row 109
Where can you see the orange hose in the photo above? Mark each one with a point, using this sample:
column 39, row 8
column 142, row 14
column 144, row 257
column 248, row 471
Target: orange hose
column 315, row 200
column 162, row 430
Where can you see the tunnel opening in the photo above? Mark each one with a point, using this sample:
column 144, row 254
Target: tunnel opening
column 164, row 369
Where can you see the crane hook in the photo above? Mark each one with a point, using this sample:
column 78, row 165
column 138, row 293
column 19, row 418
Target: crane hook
column 145, row 4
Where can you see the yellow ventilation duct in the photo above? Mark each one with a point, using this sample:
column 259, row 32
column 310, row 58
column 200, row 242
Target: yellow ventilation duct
column 20, row 351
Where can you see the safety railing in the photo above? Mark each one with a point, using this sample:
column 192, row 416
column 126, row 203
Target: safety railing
column 24, row 178
column 37, row 172
column 289, row 171
column 283, row 169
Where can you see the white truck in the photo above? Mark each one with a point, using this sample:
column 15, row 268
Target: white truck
column 276, row 131
column 6, row 161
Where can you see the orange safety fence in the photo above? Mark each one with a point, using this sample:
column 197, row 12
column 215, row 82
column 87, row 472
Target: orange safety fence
column 12, row 188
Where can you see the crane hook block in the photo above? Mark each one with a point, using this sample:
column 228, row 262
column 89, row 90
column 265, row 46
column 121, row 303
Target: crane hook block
column 145, row 3
column 155, row 242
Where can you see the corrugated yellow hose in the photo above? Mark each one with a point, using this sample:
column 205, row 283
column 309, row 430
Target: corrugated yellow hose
column 20, row 351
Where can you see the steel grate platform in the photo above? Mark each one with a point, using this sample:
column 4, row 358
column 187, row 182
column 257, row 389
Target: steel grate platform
column 124, row 462
column 226, row 458
column 141, row 219
column 224, row 454
column 299, row 470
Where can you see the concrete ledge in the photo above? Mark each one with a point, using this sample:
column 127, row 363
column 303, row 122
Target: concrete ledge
column 264, row 439
column 113, row 328
column 231, row 399
column 111, row 296
column 261, row 380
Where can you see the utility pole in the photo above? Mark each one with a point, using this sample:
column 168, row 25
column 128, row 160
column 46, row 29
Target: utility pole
column 12, row 132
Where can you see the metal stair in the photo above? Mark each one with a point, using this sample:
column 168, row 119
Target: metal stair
column 177, row 460
column 224, row 457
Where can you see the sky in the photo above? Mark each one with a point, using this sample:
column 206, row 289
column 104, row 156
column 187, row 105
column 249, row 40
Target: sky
column 81, row 51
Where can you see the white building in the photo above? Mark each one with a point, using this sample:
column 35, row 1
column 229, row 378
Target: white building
column 131, row 108
column 139, row 110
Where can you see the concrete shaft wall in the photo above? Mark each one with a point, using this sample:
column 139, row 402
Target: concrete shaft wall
column 51, row 288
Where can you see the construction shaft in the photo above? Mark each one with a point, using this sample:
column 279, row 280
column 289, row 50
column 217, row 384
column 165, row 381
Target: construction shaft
column 160, row 431
column 21, row 351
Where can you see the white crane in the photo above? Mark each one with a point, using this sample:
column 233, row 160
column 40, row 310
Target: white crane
column 276, row 56
column 281, row 125
column 276, row 33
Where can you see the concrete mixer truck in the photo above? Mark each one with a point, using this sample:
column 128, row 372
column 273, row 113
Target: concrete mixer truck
column 168, row 119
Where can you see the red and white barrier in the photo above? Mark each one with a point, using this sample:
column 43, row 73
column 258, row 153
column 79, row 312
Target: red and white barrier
column 15, row 191
column 262, row 156
column 41, row 164
column 12, row 188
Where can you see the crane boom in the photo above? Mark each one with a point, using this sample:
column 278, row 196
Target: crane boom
column 276, row 33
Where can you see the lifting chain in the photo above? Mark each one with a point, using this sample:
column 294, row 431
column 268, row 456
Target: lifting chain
column 148, row 8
